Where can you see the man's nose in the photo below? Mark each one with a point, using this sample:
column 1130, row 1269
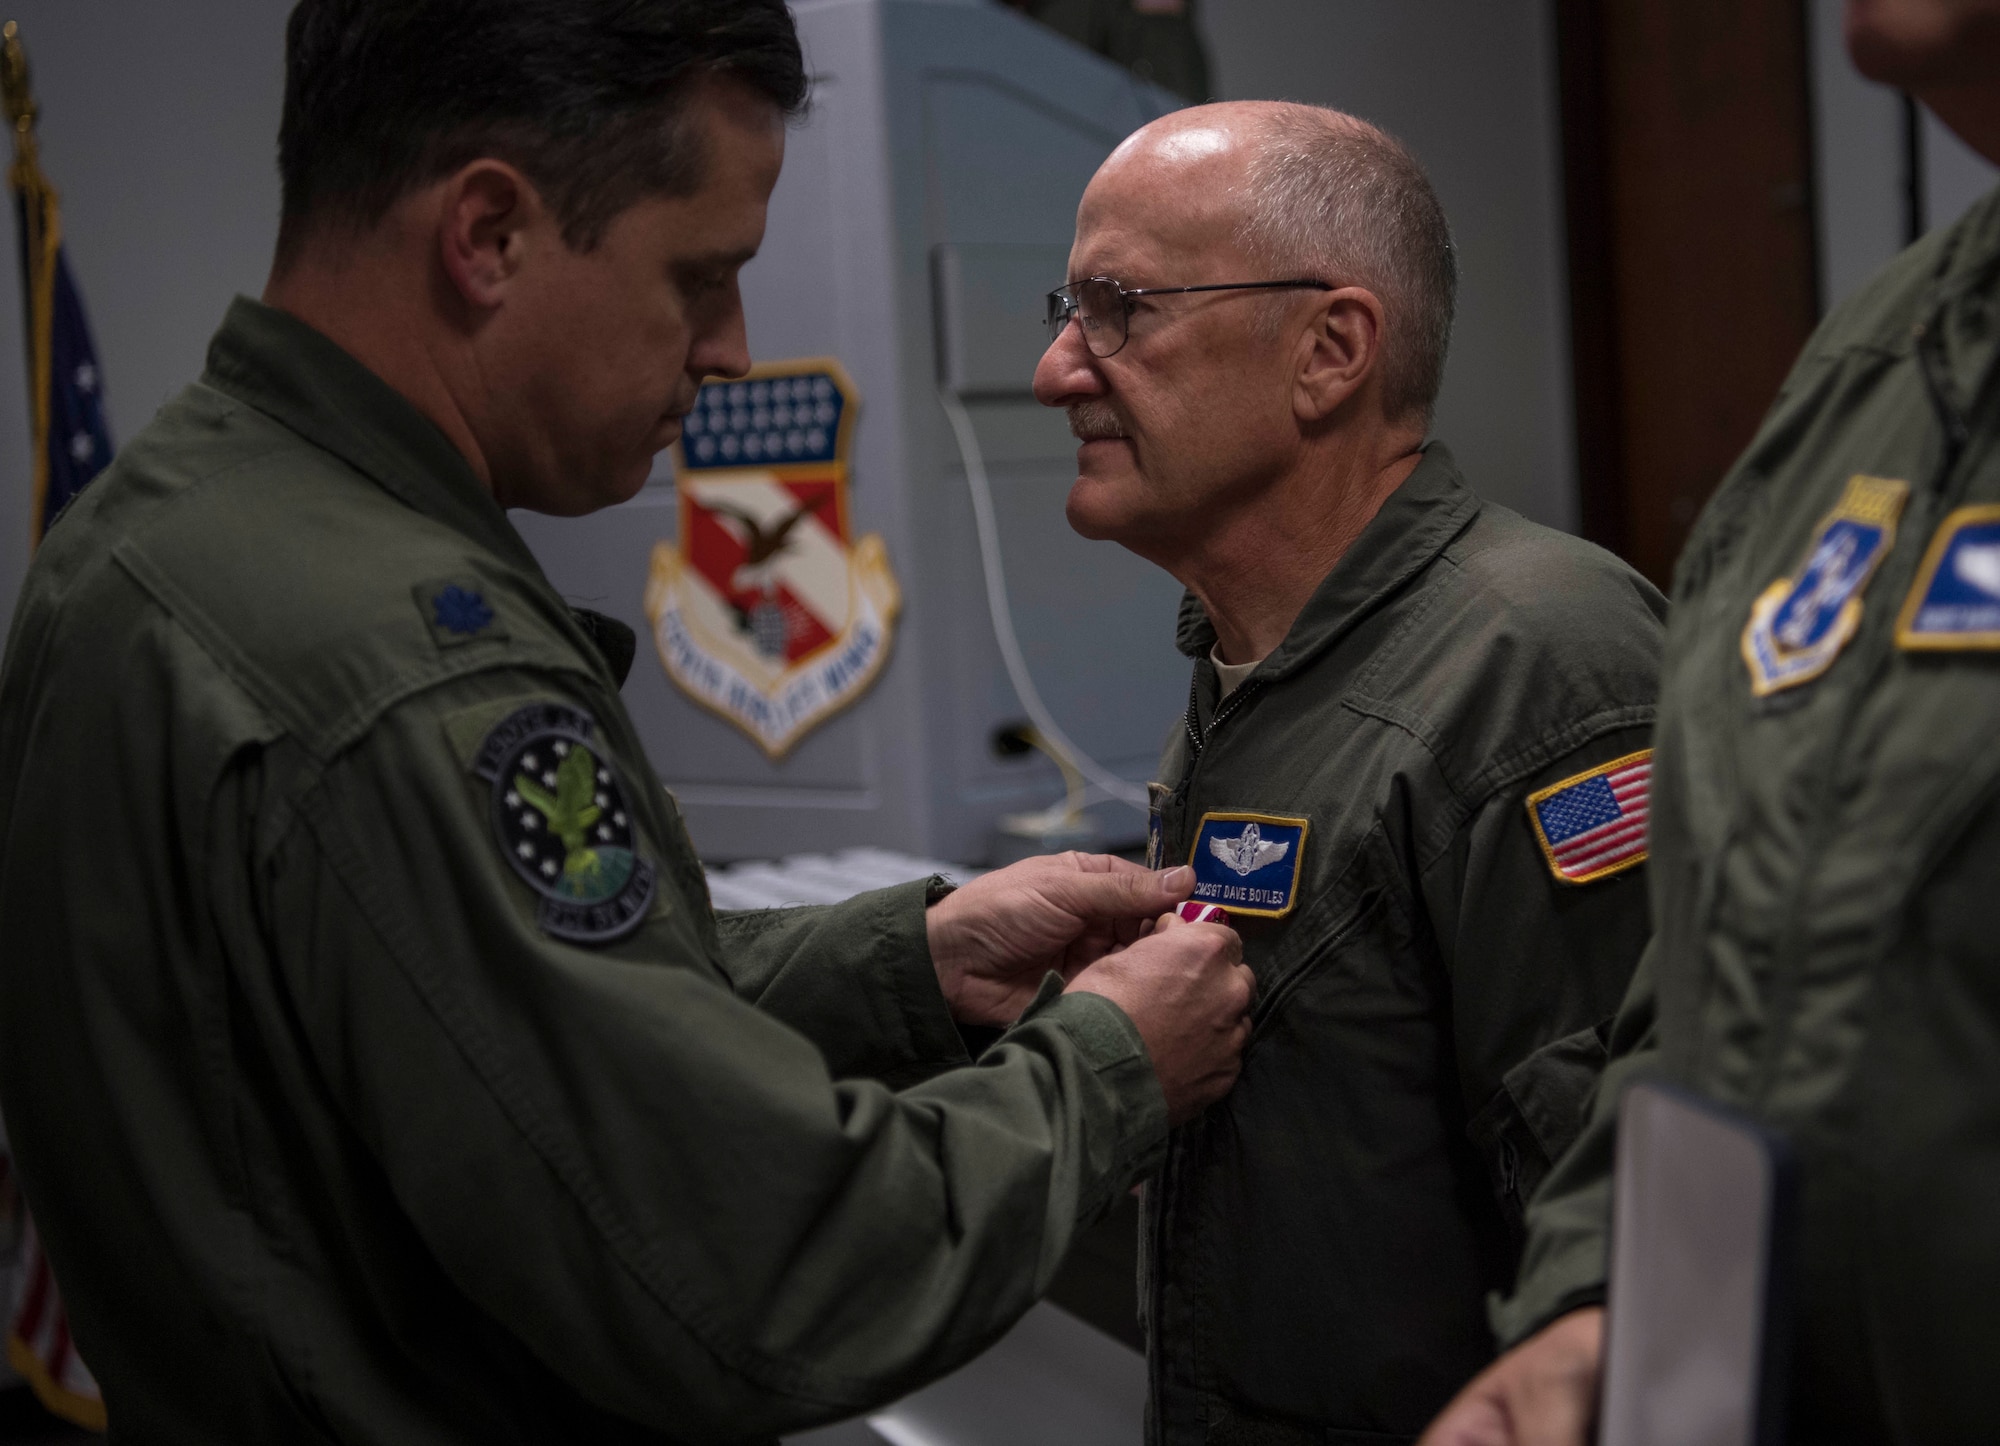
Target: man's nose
column 1065, row 374
column 721, row 348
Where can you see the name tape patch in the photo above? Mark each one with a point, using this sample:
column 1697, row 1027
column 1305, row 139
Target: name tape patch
column 1799, row 624
column 1594, row 824
column 1249, row 863
column 1955, row 602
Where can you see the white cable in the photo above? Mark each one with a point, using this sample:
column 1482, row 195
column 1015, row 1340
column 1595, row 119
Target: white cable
column 1003, row 618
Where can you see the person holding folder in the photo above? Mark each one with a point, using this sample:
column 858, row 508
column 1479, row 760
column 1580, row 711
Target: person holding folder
column 1825, row 842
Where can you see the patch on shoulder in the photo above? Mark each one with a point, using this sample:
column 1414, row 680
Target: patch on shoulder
column 1593, row 825
column 1249, row 863
column 563, row 821
column 1799, row 624
column 1954, row 604
column 456, row 611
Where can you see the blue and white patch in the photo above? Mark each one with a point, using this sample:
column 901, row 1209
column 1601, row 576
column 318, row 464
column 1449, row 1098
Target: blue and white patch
column 1955, row 602
column 1799, row 624
column 1249, row 863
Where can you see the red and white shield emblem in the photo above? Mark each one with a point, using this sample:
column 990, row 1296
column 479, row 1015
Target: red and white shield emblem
column 766, row 609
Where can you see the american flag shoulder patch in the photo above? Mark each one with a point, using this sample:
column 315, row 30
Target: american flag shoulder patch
column 1594, row 825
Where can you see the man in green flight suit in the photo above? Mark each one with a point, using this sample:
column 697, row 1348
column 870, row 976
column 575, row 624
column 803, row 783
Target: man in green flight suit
column 1413, row 767
column 1826, row 842
column 377, row 1069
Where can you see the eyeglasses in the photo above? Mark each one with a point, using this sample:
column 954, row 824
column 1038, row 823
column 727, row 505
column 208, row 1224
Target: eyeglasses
column 1103, row 308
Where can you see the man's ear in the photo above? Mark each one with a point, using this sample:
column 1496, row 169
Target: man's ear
column 1340, row 350
column 484, row 214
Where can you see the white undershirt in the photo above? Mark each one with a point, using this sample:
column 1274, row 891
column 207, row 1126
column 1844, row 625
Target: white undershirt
column 1232, row 674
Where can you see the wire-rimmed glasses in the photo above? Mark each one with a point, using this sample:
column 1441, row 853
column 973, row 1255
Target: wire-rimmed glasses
column 1103, row 308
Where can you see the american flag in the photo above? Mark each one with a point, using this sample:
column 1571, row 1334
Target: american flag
column 39, row 1344
column 72, row 445
column 1595, row 824
column 72, row 438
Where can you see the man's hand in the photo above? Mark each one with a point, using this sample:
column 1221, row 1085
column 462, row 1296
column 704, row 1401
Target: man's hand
column 1541, row 1393
column 1187, row 989
column 994, row 940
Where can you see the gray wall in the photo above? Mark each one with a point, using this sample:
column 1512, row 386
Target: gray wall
column 159, row 127
column 1470, row 86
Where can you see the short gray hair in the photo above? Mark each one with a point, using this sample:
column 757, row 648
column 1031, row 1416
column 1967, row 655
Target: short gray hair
column 1335, row 198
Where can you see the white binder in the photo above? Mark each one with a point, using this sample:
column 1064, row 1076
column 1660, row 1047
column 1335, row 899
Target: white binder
column 1698, row 1311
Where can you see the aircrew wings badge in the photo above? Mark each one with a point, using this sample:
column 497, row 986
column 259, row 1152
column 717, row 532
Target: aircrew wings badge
column 1593, row 825
column 1800, row 623
column 767, row 609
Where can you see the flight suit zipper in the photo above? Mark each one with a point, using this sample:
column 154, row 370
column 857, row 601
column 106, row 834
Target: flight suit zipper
column 1172, row 1167
column 1197, row 740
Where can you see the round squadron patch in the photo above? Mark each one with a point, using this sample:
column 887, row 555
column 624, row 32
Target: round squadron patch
column 564, row 823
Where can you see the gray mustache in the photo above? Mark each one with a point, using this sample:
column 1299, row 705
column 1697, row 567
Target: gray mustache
column 1094, row 422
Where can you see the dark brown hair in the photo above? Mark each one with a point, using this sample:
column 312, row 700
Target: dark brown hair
column 585, row 96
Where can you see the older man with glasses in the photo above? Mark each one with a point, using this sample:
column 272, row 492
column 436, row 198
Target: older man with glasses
column 1413, row 769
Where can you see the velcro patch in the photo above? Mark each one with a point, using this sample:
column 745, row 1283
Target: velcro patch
column 564, row 824
column 1799, row 624
column 1955, row 602
column 1249, row 863
column 456, row 610
column 1594, row 824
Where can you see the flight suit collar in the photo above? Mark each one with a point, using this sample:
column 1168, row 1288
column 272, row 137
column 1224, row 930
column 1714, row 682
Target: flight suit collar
column 1961, row 333
column 1420, row 517
column 296, row 375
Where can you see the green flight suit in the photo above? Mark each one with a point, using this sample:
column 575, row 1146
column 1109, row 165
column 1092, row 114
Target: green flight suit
column 329, row 1136
column 1826, row 866
column 1160, row 42
column 1319, row 1246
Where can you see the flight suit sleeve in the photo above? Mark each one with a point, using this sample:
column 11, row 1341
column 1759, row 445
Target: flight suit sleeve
column 658, row 1188
column 856, row 978
column 1569, row 1219
column 1538, row 966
